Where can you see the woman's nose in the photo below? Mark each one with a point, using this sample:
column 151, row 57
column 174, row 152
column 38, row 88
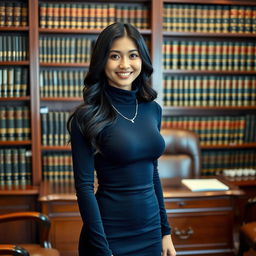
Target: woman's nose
column 124, row 63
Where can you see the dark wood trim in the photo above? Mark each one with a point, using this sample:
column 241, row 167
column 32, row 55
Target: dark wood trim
column 61, row 99
column 81, row 31
column 23, row 98
column 213, row 35
column 46, row 64
column 19, row 190
column 56, row 148
column 176, row 110
column 225, row 2
column 156, row 47
column 14, row 63
column 35, row 91
column 15, row 143
column 229, row 146
column 207, row 72
column 13, row 28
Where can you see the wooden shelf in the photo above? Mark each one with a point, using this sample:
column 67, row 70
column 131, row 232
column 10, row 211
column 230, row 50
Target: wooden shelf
column 15, row 143
column 61, row 99
column 23, row 98
column 224, row 2
column 46, row 64
column 207, row 110
column 242, row 181
column 230, row 146
column 207, row 72
column 213, row 35
column 57, row 148
column 13, row 28
column 14, row 63
column 19, row 190
column 80, row 31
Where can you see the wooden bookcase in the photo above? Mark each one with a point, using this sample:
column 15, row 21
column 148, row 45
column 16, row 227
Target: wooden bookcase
column 156, row 36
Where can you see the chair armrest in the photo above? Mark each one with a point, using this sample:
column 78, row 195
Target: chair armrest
column 42, row 219
column 11, row 249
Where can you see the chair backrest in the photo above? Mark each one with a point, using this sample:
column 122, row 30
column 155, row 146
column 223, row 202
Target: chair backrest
column 182, row 156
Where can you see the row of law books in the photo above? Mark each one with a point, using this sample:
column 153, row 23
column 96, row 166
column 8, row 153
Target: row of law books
column 61, row 82
column 209, row 55
column 15, row 166
column 14, row 123
column 13, row 47
column 13, row 81
column 13, row 14
column 75, row 49
column 209, row 18
column 216, row 130
column 54, row 131
column 214, row 162
column 210, row 90
column 57, row 166
column 92, row 15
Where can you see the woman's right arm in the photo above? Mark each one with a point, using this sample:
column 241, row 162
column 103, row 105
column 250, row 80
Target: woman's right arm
column 83, row 167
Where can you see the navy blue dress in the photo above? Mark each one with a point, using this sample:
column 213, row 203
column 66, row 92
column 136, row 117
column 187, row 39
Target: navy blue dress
column 126, row 216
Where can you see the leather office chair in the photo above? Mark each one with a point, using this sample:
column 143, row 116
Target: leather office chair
column 182, row 156
column 42, row 249
column 247, row 232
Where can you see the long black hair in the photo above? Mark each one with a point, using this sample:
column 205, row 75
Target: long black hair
column 96, row 111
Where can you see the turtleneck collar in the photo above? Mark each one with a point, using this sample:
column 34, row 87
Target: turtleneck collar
column 121, row 96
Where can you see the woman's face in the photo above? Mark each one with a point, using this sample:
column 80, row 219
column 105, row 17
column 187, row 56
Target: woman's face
column 124, row 63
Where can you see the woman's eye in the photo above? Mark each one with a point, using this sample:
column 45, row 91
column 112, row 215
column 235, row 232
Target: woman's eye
column 134, row 56
column 114, row 57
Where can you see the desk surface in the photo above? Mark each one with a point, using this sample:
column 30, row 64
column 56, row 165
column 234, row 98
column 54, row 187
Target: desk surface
column 64, row 191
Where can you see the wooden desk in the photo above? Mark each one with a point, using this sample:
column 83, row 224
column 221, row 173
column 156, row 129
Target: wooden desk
column 202, row 221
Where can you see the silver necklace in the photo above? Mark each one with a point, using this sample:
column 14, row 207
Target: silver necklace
column 129, row 119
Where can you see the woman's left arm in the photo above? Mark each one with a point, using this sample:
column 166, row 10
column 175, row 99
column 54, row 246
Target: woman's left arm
column 167, row 244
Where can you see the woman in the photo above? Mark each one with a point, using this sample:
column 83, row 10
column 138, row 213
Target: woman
column 116, row 132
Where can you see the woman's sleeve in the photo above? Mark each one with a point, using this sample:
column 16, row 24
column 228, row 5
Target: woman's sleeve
column 83, row 167
column 166, row 230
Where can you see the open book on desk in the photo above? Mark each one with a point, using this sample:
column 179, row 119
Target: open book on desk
column 204, row 184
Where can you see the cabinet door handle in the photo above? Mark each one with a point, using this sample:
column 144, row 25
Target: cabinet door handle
column 181, row 203
column 183, row 234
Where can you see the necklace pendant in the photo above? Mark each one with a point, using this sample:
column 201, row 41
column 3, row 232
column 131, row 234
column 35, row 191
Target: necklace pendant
column 132, row 121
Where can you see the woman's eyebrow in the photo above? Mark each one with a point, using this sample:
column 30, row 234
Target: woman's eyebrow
column 134, row 50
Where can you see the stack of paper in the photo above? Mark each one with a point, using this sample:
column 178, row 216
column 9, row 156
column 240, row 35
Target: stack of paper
column 204, row 184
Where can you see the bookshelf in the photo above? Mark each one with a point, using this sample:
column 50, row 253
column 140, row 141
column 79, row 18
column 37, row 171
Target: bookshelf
column 208, row 53
column 58, row 53
column 57, row 57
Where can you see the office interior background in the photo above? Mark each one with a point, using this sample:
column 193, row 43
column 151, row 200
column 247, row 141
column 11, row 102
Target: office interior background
column 204, row 59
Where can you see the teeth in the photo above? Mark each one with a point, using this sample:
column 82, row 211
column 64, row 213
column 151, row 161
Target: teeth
column 124, row 74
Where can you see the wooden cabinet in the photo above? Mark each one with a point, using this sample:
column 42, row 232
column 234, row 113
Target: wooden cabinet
column 203, row 223
column 58, row 201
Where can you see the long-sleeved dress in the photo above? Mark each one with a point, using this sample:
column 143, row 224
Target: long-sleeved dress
column 126, row 216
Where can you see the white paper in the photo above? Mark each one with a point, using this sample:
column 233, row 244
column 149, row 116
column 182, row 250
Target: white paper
column 204, row 184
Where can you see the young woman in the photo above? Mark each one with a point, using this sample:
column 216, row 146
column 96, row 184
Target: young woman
column 116, row 132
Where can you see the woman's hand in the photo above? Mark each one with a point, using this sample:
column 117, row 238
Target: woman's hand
column 167, row 246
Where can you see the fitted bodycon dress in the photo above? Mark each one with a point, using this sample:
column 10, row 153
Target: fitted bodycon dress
column 126, row 216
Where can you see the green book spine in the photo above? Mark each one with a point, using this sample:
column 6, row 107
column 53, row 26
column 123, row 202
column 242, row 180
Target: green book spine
column 8, row 167
column 24, row 14
column 2, row 168
column 26, row 124
column 43, row 15
column 15, row 166
column 18, row 122
column 22, row 166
